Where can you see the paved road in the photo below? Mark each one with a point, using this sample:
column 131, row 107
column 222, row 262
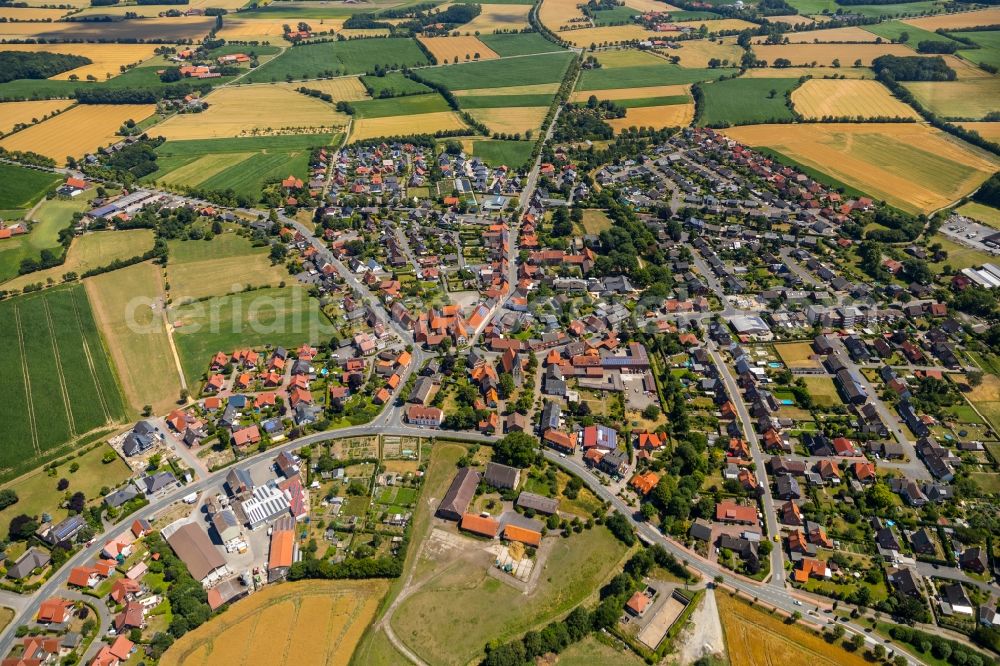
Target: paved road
column 770, row 515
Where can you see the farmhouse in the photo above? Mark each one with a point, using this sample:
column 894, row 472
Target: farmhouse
column 502, row 477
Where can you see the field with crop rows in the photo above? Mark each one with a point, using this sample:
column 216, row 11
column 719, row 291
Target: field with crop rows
column 495, row 17
column 989, row 16
column 349, row 57
column 345, row 88
column 529, row 70
column 83, row 129
column 369, row 128
column 17, row 113
column 22, row 187
column 511, row 119
column 106, row 58
column 746, row 101
column 448, row 49
column 971, row 99
column 670, row 115
column 825, row 54
column 849, row 98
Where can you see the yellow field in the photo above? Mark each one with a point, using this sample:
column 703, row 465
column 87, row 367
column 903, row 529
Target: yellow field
column 368, row 128
column 70, row 3
column 631, row 93
column 989, row 16
column 107, row 58
column 791, row 19
column 989, row 131
column 511, row 119
column 83, row 129
column 825, row 54
column 446, row 49
column 658, row 117
column 958, row 99
column 15, row 31
column 222, row 4
column 533, row 89
column 909, row 165
column 31, row 14
column 253, row 111
column 756, row 638
column 365, row 32
column 253, row 30
column 848, row 98
column 815, row 72
column 716, row 25
column 89, row 251
column 145, row 11
column 15, row 113
column 224, row 265
column 178, row 27
column 347, row 89
column 697, row 53
column 606, row 35
column 498, row 17
column 965, row 70
column 649, row 6
column 848, row 34
column 304, row 623
column 556, row 14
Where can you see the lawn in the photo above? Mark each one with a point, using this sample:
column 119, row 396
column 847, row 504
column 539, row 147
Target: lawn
column 135, row 334
column 822, row 389
column 22, row 187
column 51, row 217
column 57, row 383
column 36, row 490
column 529, row 70
column 959, row 256
column 394, row 84
column 275, row 316
column 595, row 221
column 746, row 101
column 225, row 264
column 514, row 154
column 757, row 637
column 460, row 608
column 987, row 482
column 516, row 44
column 985, row 214
column 797, row 354
column 401, row 106
column 360, row 56
column 593, row 652
column 641, row 76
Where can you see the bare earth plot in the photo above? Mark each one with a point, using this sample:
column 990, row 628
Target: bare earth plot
column 658, row 117
column 106, row 58
column 83, row 129
column 236, row 111
column 135, row 334
column 848, row 98
column 16, row 113
column 911, row 166
column 446, row 49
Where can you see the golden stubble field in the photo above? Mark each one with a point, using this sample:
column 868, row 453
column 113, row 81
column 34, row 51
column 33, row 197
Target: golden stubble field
column 989, row 131
column 346, row 88
column 446, row 49
column 498, row 17
column 15, row 113
column 424, row 123
column 911, row 166
column 632, row 93
column 848, row 34
column 555, row 14
column 258, row 110
column 989, row 16
column 657, row 117
column 848, row 98
column 78, row 131
column 511, row 119
column 825, row 54
column 757, row 638
column 106, row 58
column 31, row 14
column 256, row 30
column 970, row 98
column 305, row 623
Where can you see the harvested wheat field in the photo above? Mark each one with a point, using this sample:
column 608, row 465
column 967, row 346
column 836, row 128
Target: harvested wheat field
column 912, row 166
column 650, row 6
column 532, row 89
column 848, row 34
column 31, row 14
column 446, row 49
column 81, row 130
column 971, row 99
column 606, row 35
column 253, row 30
column 511, row 119
column 716, row 25
column 557, row 14
column 989, row 16
column 658, row 117
column 965, row 70
column 498, row 17
column 144, row 11
column 16, row 113
column 815, row 72
column 791, row 19
column 230, row 5
column 632, row 93
column 755, row 638
column 825, row 54
column 106, row 58
column 342, row 89
column 237, row 111
column 989, row 131
column 14, row 31
column 697, row 53
column 424, row 123
column 848, row 98
column 306, row 623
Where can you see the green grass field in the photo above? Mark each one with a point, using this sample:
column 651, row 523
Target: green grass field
column 138, row 77
column 985, row 214
column 746, row 101
column 502, row 101
column 51, row 217
column 529, row 70
column 496, row 152
column 891, row 31
column 632, row 77
column 23, row 187
column 653, row 101
column 276, row 316
column 243, row 165
column 521, row 43
column 223, row 265
column 989, row 51
column 308, row 10
column 809, row 7
column 400, row 106
column 394, row 83
column 614, row 16
column 56, row 383
column 359, row 56
column 694, row 15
